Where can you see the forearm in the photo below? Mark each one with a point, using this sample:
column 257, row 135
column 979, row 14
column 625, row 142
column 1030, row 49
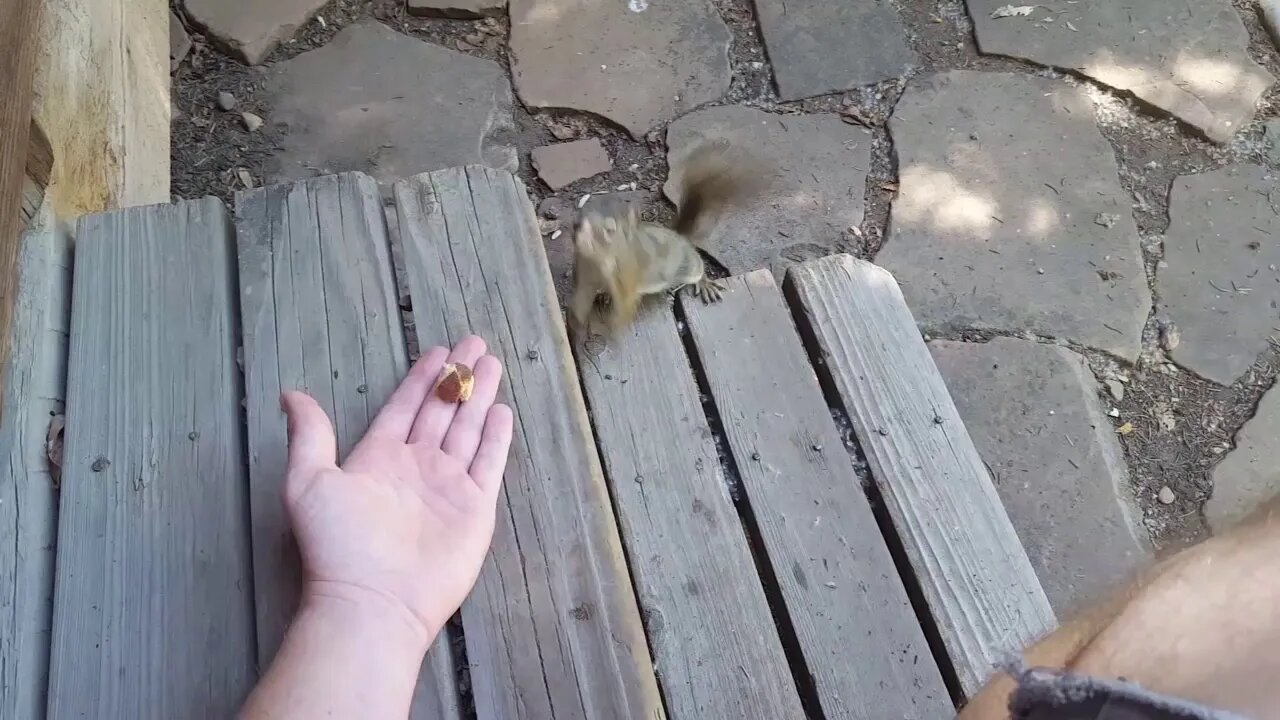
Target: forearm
column 342, row 657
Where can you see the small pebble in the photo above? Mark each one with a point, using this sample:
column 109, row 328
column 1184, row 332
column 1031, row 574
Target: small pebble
column 583, row 200
column 1039, row 271
column 226, row 101
column 193, row 435
column 362, row 389
column 816, row 447
column 1115, row 413
column 755, row 456
column 1170, row 337
column 533, row 354
column 549, row 209
column 1106, row 219
column 252, row 122
column 100, row 464
column 1166, row 496
column 1116, row 388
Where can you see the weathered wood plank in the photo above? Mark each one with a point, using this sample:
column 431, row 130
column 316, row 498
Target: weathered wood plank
column 153, row 605
column 552, row 628
column 834, row 570
column 713, row 638
column 979, row 585
column 319, row 308
column 17, row 76
column 36, row 383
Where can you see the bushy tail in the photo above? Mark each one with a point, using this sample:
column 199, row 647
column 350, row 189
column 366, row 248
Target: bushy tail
column 716, row 178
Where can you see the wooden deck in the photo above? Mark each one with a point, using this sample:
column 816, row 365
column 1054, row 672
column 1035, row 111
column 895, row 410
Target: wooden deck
column 687, row 528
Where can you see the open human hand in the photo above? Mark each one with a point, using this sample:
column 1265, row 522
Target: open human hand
column 403, row 524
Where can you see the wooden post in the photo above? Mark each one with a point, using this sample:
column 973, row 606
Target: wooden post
column 17, row 72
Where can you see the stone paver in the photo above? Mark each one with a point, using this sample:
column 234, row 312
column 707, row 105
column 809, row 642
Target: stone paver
column 565, row 163
column 1271, row 17
column 179, row 42
column 821, row 165
column 1249, row 475
column 1220, row 286
column 251, row 29
column 819, row 46
column 464, row 9
column 1189, row 58
column 1010, row 214
column 1271, row 133
column 1033, row 412
column 636, row 63
column 375, row 100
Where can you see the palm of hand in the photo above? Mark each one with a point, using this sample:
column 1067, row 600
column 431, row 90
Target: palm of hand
column 409, row 516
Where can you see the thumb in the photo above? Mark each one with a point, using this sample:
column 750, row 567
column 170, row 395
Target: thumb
column 312, row 443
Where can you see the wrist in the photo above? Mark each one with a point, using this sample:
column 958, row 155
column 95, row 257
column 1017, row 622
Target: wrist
column 380, row 618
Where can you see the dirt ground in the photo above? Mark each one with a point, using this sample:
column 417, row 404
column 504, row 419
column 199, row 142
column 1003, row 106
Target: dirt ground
column 1182, row 424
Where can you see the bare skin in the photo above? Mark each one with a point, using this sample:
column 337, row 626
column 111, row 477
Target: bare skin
column 392, row 540
column 1202, row 625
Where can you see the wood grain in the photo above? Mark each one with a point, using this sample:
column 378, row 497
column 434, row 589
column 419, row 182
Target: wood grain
column 102, row 97
column 713, row 638
column 319, row 309
column 832, row 566
column 981, row 589
column 552, row 628
column 17, row 76
column 36, row 382
column 153, row 602
column 834, row 570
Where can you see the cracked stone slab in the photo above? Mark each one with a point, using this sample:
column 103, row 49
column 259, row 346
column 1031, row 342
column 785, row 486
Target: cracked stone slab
column 1034, row 415
column 820, row 165
column 380, row 102
column 1218, row 282
column 1188, row 58
column 818, row 46
column 251, row 29
column 563, row 164
column 459, row 9
column 1010, row 215
column 636, row 63
column 1249, row 475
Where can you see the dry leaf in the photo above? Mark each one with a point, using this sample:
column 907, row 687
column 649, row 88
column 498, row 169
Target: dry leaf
column 1013, row 11
column 1124, row 429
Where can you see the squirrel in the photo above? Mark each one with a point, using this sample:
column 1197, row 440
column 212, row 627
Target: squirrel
column 625, row 259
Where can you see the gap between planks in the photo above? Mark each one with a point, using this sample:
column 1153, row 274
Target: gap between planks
column 833, row 568
column 552, row 627
column 320, row 313
column 986, row 601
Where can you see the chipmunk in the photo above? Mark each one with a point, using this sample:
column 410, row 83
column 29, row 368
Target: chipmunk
column 625, row 259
